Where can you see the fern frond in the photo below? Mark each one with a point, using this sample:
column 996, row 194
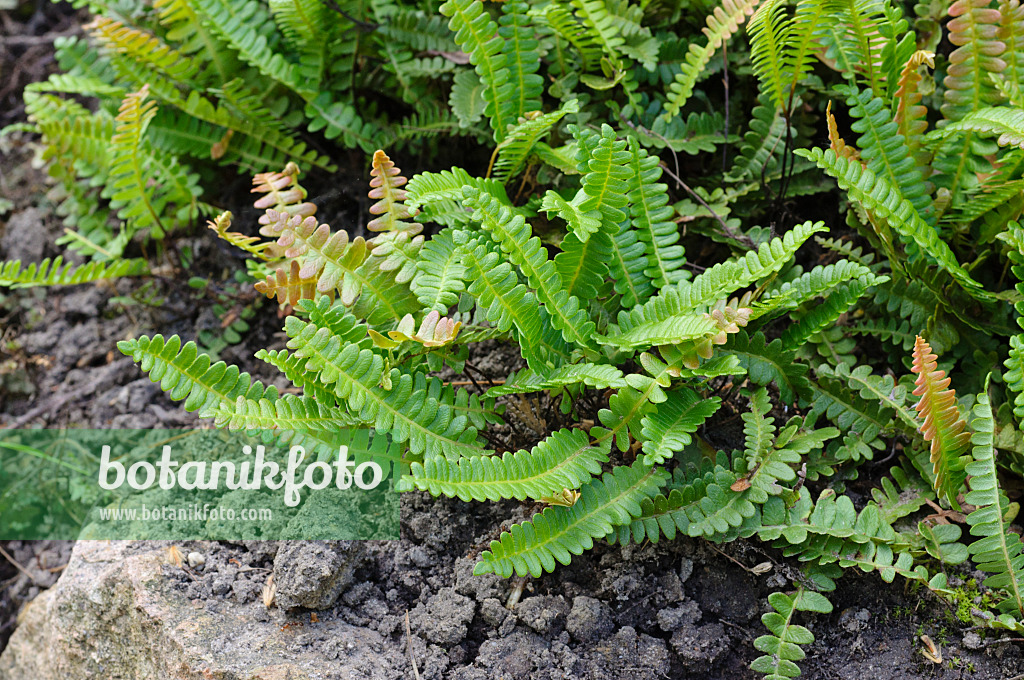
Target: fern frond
column 582, row 265
column 825, row 314
column 56, row 273
column 141, row 46
column 721, row 24
column 606, row 180
column 194, row 37
column 440, row 276
column 599, row 376
column 910, row 114
column 1005, row 121
column 886, row 152
column 974, row 29
column 524, row 250
column 669, row 427
column 386, row 188
column 512, row 152
column 478, row 36
column 997, row 551
column 886, row 202
column 564, row 460
column 942, row 426
column 288, row 286
column 438, row 195
column 768, row 362
column 186, row 374
column 558, row 533
column 523, row 60
column 307, row 27
column 769, row 30
column 782, row 646
column 683, row 298
column 650, row 215
column 761, row 145
column 355, row 376
column 496, row 289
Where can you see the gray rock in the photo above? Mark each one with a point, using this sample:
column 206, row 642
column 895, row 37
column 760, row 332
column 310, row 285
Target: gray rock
column 444, row 619
column 699, row 648
column 118, row 614
column 675, row 618
column 313, row 574
column 589, row 620
column 544, row 614
column 24, row 237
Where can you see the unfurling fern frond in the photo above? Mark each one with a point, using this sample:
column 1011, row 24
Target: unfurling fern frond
column 721, row 24
column 997, row 551
column 942, row 426
column 250, row 244
column 386, row 188
column 56, row 273
column 558, row 533
column 565, row 460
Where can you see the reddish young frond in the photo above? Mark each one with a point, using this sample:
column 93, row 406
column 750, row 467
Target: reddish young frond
column 288, row 286
column 942, row 426
column 282, row 192
column 387, row 190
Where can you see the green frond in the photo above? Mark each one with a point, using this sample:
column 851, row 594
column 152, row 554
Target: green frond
column 825, row 314
column 287, row 286
column 56, row 273
column 721, row 24
column 669, row 427
column 185, row 26
column 521, row 55
column 997, row 551
column 307, row 27
column 902, row 495
column 564, row 460
column 440, row 276
column 577, row 221
column 526, row 251
column 142, row 47
column 558, row 533
column 477, row 35
column 627, row 266
column 583, row 265
column 338, row 119
column 1014, row 375
column 882, row 389
column 769, row 30
column 782, row 645
column 186, row 374
column 821, row 280
column 562, row 21
column 513, row 151
column 886, row 202
column 1006, row 123
column 438, row 195
column 606, row 179
column 762, row 145
column 599, row 376
column 651, row 216
column 886, row 151
column 861, row 420
column 718, row 282
column 496, row 289
column 769, row 362
column 355, row 376
column 600, row 26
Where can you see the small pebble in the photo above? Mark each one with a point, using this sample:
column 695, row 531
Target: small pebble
column 196, row 559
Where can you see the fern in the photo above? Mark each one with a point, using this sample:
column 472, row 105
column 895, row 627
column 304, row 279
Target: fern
column 942, row 426
column 669, row 427
column 721, row 24
column 386, row 188
column 593, row 375
column 886, row 202
column 520, row 50
column 997, row 550
column 650, row 213
column 514, row 235
column 768, row 362
column 477, row 34
column 564, row 460
column 440, row 276
column 56, row 273
column 559, row 533
column 782, row 646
